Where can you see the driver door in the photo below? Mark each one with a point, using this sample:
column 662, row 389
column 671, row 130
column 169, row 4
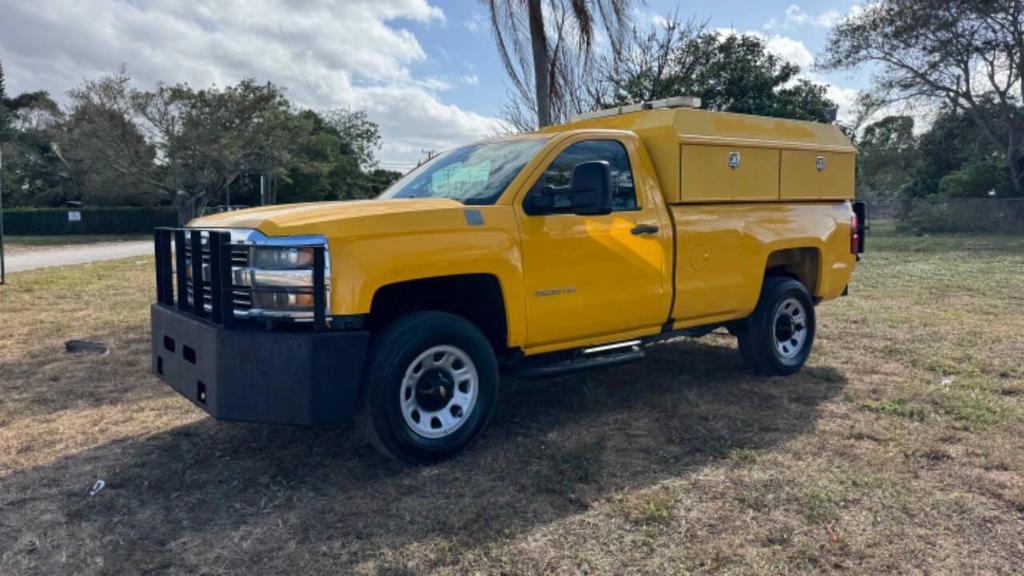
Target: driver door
column 593, row 279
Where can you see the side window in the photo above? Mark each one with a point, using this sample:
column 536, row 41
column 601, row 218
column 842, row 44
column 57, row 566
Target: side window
column 556, row 179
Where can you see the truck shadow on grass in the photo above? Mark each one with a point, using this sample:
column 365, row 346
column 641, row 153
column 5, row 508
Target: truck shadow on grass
column 214, row 496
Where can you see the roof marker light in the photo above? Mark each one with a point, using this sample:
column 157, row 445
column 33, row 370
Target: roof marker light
column 664, row 103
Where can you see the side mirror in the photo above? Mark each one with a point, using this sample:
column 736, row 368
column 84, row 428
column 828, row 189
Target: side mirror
column 540, row 200
column 591, row 188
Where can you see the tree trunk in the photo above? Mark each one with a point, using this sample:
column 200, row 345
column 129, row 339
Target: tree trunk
column 541, row 63
column 1015, row 161
column 1016, row 173
column 189, row 207
column 184, row 206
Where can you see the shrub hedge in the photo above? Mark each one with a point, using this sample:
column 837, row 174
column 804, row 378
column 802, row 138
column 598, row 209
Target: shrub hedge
column 54, row 221
column 981, row 215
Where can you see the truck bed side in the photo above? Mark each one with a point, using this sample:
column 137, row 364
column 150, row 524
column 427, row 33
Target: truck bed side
column 724, row 251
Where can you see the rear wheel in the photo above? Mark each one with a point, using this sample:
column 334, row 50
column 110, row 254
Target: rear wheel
column 431, row 384
column 779, row 335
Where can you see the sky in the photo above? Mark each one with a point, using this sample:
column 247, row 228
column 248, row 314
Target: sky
column 427, row 71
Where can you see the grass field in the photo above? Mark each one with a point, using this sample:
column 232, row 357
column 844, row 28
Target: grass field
column 898, row 449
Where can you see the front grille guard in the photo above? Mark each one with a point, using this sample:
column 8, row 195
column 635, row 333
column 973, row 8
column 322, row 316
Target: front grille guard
column 173, row 287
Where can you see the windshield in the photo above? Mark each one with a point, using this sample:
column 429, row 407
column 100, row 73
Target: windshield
column 475, row 174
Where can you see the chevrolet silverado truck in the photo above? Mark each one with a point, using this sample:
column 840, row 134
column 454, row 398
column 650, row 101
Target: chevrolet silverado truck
column 539, row 254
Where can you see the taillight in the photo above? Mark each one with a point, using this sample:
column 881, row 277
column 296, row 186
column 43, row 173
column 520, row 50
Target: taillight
column 854, row 235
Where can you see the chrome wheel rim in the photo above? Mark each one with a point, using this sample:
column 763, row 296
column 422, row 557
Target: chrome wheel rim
column 789, row 328
column 439, row 391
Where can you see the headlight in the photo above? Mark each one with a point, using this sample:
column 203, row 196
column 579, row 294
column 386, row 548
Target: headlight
column 281, row 280
column 258, row 277
column 279, row 276
column 276, row 258
column 271, row 277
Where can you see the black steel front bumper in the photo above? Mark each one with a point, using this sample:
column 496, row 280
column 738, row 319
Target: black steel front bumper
column 254, row 375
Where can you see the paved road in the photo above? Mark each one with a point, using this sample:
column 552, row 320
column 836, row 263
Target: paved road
column 76, row 254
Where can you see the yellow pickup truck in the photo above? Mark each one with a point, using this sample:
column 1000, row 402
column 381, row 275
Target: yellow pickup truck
column 538, row 254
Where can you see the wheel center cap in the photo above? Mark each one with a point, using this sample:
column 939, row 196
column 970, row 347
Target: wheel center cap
column 435, row 389
column 784, row 327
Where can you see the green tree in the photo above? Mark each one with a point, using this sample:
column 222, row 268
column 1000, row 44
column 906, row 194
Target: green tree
column 538, row 41
column 732, row 73
column 33, row 173
column 975, row 180
column 359, row 135
column 334, row 159
column 381, row 180
column 953, row 144
column 11, row 108
column 887, row 159
column 206, row 139
column 5, row 118
column 199, row 142
column 967, row 55
column 177, row 145
column 743, row 76
column 6, row 133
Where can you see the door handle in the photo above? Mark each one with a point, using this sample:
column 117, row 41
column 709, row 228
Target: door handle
column 644, row 229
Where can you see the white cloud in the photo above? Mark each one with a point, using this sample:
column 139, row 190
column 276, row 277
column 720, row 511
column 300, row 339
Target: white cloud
column 424, row 122
column 796, row 16
column 355, row 54
column 659, row 21
column 644, row 19
column 471, row 79
column 790, row 50
column 845, row 99
column 475, row 23
column 435, row 84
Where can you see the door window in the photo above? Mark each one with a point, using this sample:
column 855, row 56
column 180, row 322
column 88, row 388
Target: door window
column 557, row 177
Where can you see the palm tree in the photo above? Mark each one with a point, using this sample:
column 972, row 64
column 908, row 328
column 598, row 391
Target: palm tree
column 546, row 26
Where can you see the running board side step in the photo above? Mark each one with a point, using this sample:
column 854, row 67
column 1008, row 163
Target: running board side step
column 615, row 356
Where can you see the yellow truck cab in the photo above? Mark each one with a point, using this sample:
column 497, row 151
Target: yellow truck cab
column 538, row 254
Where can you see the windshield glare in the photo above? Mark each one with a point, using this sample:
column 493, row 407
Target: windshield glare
column 475, row 174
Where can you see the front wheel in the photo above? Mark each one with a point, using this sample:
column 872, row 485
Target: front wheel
column 778, row 336
column 431, row 384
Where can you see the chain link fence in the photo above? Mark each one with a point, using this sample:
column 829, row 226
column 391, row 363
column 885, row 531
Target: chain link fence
column 949, row 215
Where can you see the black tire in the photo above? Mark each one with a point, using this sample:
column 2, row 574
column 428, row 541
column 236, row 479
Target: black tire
column 392, row 352
column 736, row 328
column 771, row 343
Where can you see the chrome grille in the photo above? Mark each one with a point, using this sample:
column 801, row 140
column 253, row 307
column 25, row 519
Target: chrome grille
column 225, row 278
column 242, row 299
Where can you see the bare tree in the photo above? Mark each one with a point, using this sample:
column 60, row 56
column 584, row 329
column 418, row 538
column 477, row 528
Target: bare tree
column 651, row 63
column 965, row 54
column 543, row 44
column 108, row 158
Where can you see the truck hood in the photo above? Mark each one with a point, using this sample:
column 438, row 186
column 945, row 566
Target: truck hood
column 314, row 217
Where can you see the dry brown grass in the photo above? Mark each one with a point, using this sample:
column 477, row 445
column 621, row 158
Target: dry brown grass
column 898, row 449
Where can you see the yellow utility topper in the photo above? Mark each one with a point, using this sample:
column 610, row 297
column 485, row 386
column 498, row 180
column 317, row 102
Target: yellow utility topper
column 537, row 254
